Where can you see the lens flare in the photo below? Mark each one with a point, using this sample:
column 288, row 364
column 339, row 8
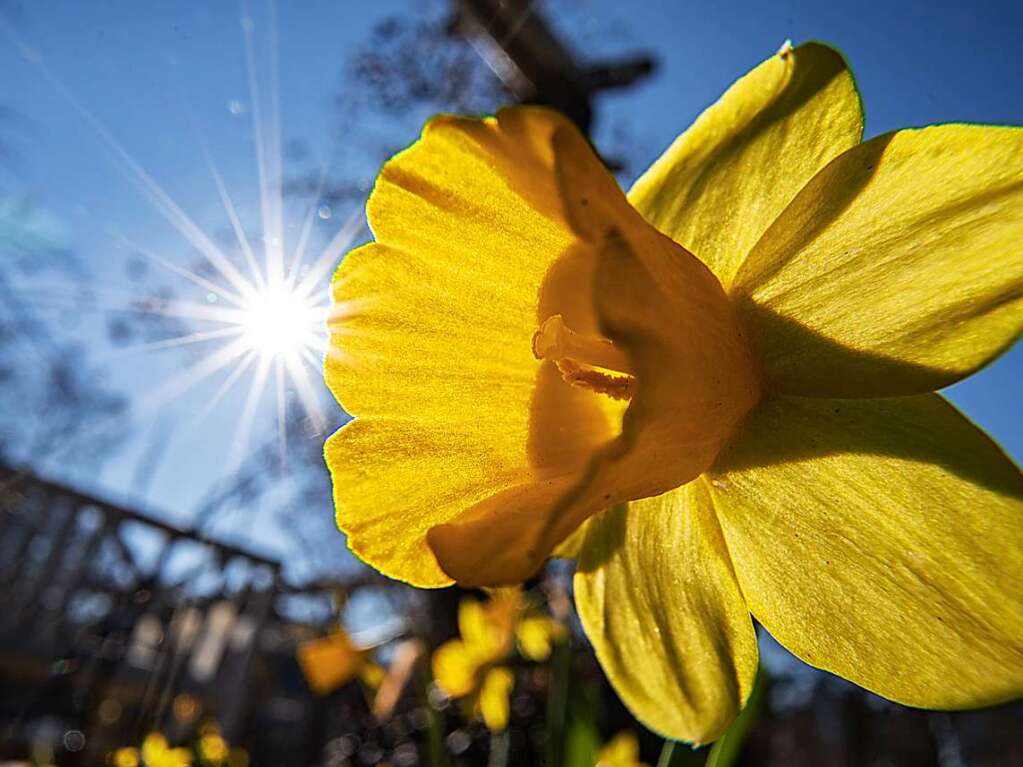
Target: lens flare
column 278, row 322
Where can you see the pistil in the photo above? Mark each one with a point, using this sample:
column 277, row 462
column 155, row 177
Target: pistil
column 590, row 362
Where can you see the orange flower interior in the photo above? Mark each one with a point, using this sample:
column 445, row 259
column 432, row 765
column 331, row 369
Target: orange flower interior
column 655, row 330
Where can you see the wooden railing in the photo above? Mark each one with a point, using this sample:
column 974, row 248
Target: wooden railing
column 104, row 605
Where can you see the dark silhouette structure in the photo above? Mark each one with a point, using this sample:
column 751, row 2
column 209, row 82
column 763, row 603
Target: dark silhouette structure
column 533, row 64
column 116, row 624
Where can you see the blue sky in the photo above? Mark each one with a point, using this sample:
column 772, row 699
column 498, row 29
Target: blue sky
column 150, row 72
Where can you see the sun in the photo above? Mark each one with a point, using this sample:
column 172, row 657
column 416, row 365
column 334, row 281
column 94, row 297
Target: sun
column 278, row 321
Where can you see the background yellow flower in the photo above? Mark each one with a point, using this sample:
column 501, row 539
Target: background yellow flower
column 472, row 666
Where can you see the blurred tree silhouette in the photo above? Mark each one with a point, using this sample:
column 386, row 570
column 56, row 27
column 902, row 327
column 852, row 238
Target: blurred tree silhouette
column 51, row 395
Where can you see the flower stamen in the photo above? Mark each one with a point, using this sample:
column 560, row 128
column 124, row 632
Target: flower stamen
column 590, row 362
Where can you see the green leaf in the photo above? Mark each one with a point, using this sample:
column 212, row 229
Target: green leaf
column 582, row 737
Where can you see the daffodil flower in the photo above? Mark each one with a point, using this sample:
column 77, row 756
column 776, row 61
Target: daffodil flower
column 716, row 391
column 471, row 667
column 212, row 749
column 157, row 753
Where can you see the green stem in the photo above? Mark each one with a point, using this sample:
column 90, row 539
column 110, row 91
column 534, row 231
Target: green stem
column 726, row 750
column 674, row 754
column 557, row 703
column 435, row 728
column 667, row 754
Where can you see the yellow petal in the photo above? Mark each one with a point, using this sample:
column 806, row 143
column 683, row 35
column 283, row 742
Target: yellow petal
column 431, row 342
column 897, row 270
column 536, row 634
column 505, row 538
column 881, row 540
column 455, row 668
column 154, row 746
column 658, row 599
column 395, row 479
column 722, row 182
column 621, row 751
column 487, row 629
column 472, row 624
column 493, row 699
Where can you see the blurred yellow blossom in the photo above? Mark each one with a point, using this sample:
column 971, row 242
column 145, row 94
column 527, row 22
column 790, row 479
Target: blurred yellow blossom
column 157, row 753
column 332, row 661
column 213, row 749
column 470, row 666
column 621, row 751
column 125, row 757
column 535, row 635
column 492, row 702
column 716, row 392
